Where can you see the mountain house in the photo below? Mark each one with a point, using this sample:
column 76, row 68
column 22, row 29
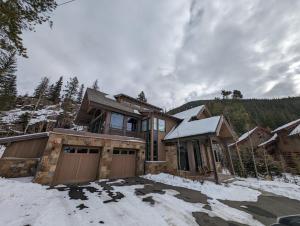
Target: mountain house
column 123, row 137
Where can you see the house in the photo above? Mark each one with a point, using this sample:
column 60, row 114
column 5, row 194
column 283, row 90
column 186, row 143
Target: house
column 284, row 145
column 250, row 140
column 123, row 137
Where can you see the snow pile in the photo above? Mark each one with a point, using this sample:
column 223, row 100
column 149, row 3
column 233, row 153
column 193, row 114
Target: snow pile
column 288, row 178
column 2, row 148
column 24, row 203
column 48, row 113
column 289, row 190
column 224, row 192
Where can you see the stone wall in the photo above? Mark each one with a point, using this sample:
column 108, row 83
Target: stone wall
column 17, row 167
column 155, row 167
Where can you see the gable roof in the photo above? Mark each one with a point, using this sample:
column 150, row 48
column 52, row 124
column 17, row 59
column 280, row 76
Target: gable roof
column 272, row 139
column 286, row 126
column 137, row 101
column 188, row 114
column 101, row 98
column 295, row 131
column 244, row 136
column 192, row 128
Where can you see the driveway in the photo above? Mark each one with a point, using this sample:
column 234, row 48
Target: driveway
column 146, row 201
column 268, row 208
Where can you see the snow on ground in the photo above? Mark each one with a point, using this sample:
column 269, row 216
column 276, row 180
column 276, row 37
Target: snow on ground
column 44, row 114
column 212, row 190
column 277, row 187
column 26, row 203
column 2, row 148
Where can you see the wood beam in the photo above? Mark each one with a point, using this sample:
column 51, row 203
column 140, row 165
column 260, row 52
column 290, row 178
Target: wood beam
column 214, row 161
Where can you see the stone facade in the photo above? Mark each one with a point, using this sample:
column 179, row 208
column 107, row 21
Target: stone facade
column 48, row 165
column 17, row 167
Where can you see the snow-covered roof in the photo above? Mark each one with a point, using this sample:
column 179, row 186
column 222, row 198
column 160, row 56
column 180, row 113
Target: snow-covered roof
column 273, row 138
column 243, row 137
column 286, row 125
column 187, row 114
column 191, row 128
column 295, row 131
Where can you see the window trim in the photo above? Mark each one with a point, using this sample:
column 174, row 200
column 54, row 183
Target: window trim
column 110, row 124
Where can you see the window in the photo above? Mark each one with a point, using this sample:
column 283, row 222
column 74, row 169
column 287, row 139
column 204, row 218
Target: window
column 155, row 145
column 94, row 151
column 116, row 152
column 132, row 124
column 144, row 125
column 161, row 125
column 182, row 157
column 197, row 155
column 82, row 150
column 116, row 121
column 69, row 150
column 154, row 123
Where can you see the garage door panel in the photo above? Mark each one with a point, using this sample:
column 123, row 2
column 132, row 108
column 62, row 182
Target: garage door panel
column 77, row 167
column 123, row 165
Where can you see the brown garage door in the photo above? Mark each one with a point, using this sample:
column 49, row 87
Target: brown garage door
column 77, row 165
column 123, row 163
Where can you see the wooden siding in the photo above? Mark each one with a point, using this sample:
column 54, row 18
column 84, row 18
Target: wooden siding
column 26, row 149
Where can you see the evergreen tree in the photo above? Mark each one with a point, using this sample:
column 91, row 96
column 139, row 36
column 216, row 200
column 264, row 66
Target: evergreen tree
column 225, row 94
column 19, row 15
column 71, row 89
column 236, row 94
column 142, row 97
column 95, row 85
column 55, row 90
column 41, row 90
column 8, row 86
column 80, row 94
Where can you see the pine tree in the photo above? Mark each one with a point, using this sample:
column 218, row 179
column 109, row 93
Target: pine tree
column 55, row 90
column 95, row 85
column 40, row 90
column 71, row 89
column 8, row 86
column 80, row 94
column 142, row 97
column 236, row 94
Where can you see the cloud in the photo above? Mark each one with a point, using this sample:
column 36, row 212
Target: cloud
column 175, row 51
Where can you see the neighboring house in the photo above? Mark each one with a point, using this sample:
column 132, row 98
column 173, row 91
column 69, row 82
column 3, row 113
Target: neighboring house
column 284, row 145
column 124, row 137
column 250, row 140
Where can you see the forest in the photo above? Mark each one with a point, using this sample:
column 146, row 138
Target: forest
column 244, row 114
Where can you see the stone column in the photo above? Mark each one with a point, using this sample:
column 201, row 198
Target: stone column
column 105, row 161
column 49, row 161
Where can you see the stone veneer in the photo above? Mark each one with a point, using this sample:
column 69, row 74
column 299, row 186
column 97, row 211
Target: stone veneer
column 48, row 164
column 18, row 167
column 168, row 166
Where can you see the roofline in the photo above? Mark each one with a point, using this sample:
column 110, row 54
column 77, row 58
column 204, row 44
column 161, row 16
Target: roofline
column 286, row 128
column 6, row 140
column 190, row 136
column 162, row 113
column 136, row 100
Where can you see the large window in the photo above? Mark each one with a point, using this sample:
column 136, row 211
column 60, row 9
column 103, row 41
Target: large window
column 132, row 124
column 161, row 125
column 116, row 121
column 182, row 157
column 197, row 155
column 154, row 123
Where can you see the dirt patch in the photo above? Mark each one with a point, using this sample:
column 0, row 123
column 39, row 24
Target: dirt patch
column 149, row 199
column 77, row 192
column 205, row 219
column 268, row 208
column 81, row 206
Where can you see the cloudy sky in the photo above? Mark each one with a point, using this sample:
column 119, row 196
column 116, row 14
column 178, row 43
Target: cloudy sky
column 174, row 50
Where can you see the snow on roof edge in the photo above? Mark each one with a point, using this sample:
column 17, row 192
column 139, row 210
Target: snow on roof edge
column 273, row 138
column 286, row 125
